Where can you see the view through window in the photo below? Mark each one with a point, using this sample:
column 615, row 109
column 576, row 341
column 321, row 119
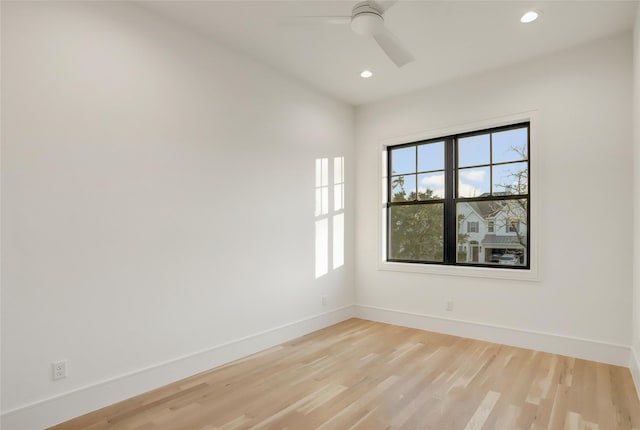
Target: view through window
column 461, row 199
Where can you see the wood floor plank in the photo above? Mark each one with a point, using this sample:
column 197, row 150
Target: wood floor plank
column 482, row 413
column 364, row 375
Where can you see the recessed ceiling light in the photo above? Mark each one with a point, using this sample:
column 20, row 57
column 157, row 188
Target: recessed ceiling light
column 530, row 16
column 366, row 74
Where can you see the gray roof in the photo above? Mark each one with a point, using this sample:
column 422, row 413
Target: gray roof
column 494, row 239
column 486, row 209
column 489, row 208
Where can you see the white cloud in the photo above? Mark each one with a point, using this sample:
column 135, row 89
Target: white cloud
column 473, row 175
column 466, row 190
column 433, row 182
column 437, row 180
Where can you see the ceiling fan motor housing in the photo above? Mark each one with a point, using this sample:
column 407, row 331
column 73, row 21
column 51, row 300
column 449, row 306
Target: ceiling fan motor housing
column 366, row 20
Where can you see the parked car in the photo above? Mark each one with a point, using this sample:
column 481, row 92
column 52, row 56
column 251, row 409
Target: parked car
column 508, row 260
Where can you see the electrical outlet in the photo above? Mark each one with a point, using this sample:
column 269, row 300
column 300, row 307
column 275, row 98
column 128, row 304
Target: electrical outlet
column 449, row 305
column 59, row 369
column 324, row 300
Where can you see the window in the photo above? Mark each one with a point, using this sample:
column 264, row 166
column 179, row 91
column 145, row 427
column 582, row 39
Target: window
column 444, row 193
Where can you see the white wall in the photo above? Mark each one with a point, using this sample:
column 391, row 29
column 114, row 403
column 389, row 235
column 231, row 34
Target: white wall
column 158, row 197
column 157, row 203
column 635, row 343
column 583, row 140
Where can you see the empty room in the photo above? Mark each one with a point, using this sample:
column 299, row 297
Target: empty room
column 320, row 215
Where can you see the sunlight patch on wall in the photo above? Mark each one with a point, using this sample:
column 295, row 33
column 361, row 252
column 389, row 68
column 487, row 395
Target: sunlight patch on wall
column 322, row 247
column 338, row 240
column 338, row 181
column 322, row 186
column 329, row 223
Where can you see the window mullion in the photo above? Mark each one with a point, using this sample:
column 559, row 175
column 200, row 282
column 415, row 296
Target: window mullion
column 450, row 223
column 388, row 204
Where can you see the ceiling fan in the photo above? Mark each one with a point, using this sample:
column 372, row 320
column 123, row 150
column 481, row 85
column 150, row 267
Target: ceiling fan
column 367, row 19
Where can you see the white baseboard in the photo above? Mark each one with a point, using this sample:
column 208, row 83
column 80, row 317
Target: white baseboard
column 587, row 349
column 63, row 407
column 634, row 367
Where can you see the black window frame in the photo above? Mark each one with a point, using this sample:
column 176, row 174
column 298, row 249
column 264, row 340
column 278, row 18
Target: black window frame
column 451, row 198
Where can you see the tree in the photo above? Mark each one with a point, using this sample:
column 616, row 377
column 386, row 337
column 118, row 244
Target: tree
column 515, row 212
column 416, row 231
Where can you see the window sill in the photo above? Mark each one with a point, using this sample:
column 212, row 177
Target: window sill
column 473, row 272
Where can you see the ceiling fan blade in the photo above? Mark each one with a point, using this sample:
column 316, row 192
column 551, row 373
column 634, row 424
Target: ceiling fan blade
column 393, row 48
column 314, row 20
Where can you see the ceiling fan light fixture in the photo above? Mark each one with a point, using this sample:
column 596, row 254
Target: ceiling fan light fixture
column 366, row 74
column 529, row 16
column 367, row 23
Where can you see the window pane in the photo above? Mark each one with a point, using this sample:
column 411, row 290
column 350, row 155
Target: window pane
column 416, row 232
column 510, row 145
column 473, row 182
column 403, row 188
column 501, row 241
column 403, row 160
column 431, row 157
column 473, row 150
column 510, row 178
column 431, row 186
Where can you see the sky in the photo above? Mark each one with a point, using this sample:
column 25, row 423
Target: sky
column 478, row 151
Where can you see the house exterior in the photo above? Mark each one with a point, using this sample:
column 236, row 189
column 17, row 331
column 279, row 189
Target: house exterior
column 488, row 230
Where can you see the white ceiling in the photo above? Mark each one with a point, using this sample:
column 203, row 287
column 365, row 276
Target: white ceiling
column 450, row 39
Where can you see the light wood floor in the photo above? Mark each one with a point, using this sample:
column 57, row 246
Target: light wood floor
column 365, row 375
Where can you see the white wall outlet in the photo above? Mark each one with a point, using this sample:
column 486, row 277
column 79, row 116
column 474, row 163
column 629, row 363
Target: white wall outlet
column 59, row 369
column 449, row 305
column 324, row 300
